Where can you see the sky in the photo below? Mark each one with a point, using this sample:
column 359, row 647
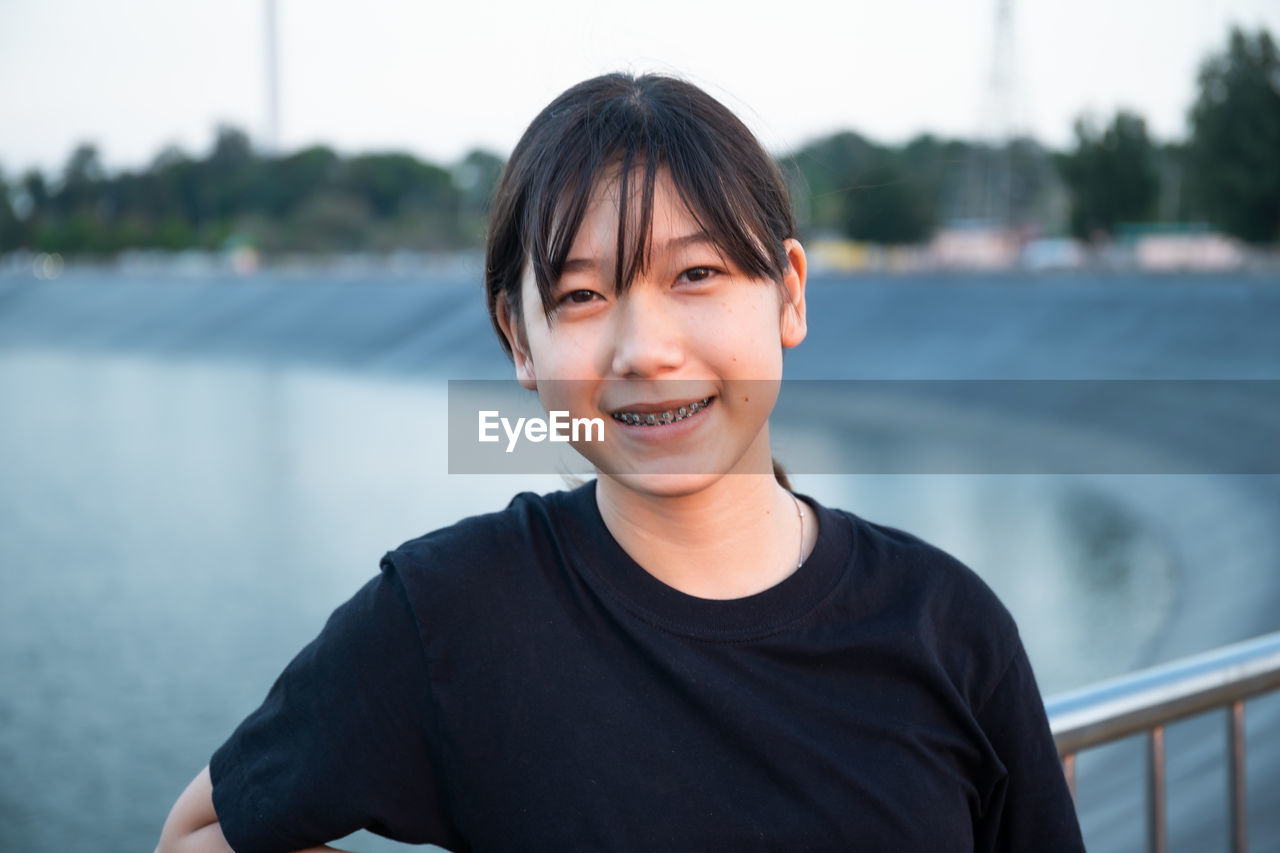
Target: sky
column 439, row 78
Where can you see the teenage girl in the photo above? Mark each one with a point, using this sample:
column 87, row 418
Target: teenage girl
column 681, row 654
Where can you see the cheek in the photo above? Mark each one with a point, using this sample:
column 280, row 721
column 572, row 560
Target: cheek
column 745, row 335
column 564, row 352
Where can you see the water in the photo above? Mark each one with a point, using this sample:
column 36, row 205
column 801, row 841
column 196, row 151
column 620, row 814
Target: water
column 194, row 473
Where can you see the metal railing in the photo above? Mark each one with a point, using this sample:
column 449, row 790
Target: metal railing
column 1148, row 700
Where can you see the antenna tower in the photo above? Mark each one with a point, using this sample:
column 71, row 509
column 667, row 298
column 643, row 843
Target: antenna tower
column 998, row 125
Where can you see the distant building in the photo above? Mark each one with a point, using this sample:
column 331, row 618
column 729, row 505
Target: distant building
column 983, row 246
column 1053, row 253
column 1170, row 247
column 974, row 245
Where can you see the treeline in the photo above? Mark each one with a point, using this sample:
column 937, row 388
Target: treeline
column 847, row 185
column 310, row 200
column 1226, row 173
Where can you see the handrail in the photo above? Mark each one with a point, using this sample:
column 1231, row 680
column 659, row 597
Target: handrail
column 1150, row 699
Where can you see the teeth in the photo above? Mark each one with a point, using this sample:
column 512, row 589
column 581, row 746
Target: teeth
column 667, row 417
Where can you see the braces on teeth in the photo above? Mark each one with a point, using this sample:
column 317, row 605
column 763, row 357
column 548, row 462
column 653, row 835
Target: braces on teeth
column 667, row 417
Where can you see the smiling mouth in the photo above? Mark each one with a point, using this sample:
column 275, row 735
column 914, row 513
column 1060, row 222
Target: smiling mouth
column 669, row 416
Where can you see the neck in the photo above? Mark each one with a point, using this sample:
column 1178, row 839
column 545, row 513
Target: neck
column 738, row 536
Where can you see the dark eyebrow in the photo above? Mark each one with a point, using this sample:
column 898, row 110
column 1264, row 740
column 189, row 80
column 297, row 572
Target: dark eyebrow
column 579, row 265
column 697, row 238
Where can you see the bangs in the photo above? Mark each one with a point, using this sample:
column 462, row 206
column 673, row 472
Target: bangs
column 730, row 187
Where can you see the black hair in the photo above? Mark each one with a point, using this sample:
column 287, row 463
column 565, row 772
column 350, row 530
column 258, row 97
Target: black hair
column 636, row 125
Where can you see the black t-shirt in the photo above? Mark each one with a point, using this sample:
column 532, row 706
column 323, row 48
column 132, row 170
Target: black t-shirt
column 517, row 682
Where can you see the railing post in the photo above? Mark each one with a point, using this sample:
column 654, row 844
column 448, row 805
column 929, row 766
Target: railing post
column 1147, row 701
column 1236, row 777
column 1157, row 837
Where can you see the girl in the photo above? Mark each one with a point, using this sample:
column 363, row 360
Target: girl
column 681, row 654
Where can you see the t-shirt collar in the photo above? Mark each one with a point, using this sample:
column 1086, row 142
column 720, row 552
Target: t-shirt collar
column 602, row 562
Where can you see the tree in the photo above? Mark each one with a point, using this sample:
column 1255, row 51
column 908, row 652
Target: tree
column 888, row 206
column 476, row 178
column 292, row 179
column 31, row 205
column 865, row 190
column 937, row 167
column 81, row 181
column 827, row 168
column 391, row 183
column 10, row 226
column 229, row 178
column 1111, row 174
column 1234, row 151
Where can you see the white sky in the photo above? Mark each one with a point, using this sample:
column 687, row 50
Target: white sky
column 437, row 78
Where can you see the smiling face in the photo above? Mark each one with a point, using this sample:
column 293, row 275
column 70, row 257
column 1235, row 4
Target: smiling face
column 691, row 332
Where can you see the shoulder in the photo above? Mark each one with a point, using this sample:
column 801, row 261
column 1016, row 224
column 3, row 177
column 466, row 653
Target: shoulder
column 482, row 559
column 473, row 539
column 944, row 582
column 944, row 607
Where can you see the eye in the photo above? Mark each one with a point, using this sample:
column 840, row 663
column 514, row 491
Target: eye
column 580, row 296
column 697, row 274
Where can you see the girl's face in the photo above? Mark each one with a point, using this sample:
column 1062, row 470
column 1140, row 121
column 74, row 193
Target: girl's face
column 691, row 333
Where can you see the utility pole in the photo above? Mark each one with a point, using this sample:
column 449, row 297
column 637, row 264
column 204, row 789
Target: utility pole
column 273, row 81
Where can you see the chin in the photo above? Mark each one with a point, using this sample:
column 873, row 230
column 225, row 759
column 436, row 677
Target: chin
column 680, row 479
column 664, row 485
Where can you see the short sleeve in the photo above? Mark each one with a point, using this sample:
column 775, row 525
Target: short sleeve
column 344, row 740
column 1030, row 807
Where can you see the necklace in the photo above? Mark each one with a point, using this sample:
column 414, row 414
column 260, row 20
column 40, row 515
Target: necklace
column 800, row 512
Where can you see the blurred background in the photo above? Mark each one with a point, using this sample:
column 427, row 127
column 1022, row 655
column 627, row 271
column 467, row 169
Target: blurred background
column 240, row 258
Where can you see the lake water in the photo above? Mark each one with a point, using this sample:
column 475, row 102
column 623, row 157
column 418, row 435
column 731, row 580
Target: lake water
column 195, row 472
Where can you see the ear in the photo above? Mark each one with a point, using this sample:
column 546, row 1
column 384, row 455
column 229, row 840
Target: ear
column 513, row 330
column 793, row 324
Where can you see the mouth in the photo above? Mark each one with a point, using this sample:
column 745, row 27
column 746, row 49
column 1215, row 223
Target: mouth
column 648, row 415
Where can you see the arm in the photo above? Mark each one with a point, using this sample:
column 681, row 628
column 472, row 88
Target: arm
column 192, row 825
column 1032, row 808
column 342, row 742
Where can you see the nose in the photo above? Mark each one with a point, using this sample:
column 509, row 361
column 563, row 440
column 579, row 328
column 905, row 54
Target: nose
column 647, row 338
